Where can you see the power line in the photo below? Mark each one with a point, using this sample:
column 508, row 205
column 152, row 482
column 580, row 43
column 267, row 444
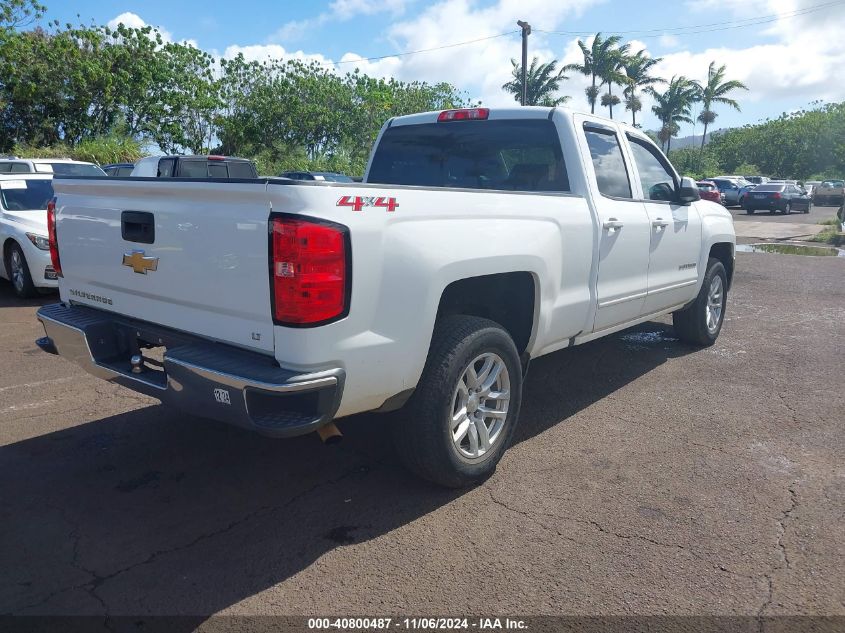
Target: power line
column 695, row 29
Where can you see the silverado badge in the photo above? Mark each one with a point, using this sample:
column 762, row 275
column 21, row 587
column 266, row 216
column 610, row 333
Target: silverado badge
column 139, row 263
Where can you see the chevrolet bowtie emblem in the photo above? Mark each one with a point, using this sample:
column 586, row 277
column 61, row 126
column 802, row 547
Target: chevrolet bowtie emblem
column 139, row 263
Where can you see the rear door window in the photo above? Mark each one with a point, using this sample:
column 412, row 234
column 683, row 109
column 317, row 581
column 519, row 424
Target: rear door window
column 21, row 168
column 509, row 155
column 217, row 170
column 166, row 167
column 241, row 169
column 608, row 163
column 193, row 169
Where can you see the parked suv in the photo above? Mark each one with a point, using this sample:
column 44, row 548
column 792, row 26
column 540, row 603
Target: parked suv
column 829, row 193
column 195, row 167
column 58, row 166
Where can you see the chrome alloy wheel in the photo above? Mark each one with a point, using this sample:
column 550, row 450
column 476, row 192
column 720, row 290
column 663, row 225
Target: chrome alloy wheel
column 16, row 269
column 480, row 406
column 715, row 304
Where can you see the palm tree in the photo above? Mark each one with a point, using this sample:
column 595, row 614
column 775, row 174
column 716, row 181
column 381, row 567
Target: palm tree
column 595, row 60
column 610, row 72
column 637, row 69
column 715, row 91
column 542, row 80
column 673, row 106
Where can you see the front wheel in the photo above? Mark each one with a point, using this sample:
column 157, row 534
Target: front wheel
column 701, row 321
column 462, row 415
column 19, row 274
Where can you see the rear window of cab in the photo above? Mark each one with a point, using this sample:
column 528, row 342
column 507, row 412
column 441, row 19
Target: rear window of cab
column 505, row 155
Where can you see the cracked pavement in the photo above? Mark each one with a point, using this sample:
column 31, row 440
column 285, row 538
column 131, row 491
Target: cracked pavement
column 646, row 477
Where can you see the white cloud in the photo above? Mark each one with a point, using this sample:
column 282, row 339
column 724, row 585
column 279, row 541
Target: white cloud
column 803, row 60
column 266, row 52
column 135, row 21
column 480, row 68
column 339, row 11
column 668, row 41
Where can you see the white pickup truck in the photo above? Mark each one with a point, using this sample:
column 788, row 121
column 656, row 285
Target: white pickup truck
column 479, row 239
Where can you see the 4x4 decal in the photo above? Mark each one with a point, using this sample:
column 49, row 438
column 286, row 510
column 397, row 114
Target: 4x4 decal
column 359, row 202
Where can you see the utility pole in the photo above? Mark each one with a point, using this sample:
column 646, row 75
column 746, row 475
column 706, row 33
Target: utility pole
column 526, row 31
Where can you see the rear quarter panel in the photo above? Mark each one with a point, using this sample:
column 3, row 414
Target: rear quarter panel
column 403, row 260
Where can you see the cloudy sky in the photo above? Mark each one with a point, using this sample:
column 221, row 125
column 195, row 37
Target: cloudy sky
column 789, row 52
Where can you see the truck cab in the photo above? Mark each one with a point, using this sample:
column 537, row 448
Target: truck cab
column 211, row 166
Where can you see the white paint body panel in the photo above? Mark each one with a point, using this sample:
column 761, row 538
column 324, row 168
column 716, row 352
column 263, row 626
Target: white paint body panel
column 213, row 275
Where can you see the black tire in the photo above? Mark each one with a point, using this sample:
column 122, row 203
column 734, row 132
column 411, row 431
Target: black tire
column 787, row 209
column 749, row 211
column 23, row 286
column 422, row 432
column 691, row 322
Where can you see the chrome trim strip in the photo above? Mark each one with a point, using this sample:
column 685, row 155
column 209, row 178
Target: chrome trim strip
column 683, row 284
column 613, row 302
column 303, row 382
column 64, row 342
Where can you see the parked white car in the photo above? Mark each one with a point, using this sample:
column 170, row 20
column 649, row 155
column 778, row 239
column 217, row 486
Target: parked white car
column 24, row 245
column 58, row 166
column 479, row 240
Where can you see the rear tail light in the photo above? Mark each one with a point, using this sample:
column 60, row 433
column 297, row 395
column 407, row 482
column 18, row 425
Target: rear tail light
column 51, row 236
column 310, row 276
column 464, row 114
column 776, row 195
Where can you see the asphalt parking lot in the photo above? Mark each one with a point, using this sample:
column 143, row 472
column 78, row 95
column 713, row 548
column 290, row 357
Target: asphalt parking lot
column 647, row 477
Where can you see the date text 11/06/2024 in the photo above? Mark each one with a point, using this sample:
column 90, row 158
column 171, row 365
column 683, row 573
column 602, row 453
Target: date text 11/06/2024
column 416, row 624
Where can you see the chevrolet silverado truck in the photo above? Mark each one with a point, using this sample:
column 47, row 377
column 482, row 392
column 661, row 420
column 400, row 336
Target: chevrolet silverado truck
column 478, row 240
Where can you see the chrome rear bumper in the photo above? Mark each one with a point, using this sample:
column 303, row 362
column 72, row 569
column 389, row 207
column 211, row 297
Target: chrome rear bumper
column 204, row 378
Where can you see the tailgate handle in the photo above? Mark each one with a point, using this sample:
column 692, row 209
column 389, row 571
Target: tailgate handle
column 138, row 226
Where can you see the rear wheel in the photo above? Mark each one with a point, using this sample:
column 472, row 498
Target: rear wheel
column 18, row 271
column 787, row 209
column 749, row 211
column 462, row 415
column 701, row 321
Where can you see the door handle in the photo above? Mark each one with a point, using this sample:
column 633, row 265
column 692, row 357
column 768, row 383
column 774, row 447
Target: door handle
column 660, row 223
column 612, row 224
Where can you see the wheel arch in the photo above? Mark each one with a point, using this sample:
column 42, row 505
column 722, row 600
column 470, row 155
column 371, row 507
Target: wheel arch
column 511, row 299
column 724, row 252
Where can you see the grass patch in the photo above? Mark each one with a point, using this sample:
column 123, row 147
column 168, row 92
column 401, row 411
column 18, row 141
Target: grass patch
column 830, row 222
column 832, row 236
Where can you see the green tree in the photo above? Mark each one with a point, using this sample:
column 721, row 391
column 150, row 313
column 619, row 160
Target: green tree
column 672, row 107
column 637, row 73
column 595, row 61
column 542, row 83
column 715, row 91
column 15, row 14
column 610, row 70
column 190, row 96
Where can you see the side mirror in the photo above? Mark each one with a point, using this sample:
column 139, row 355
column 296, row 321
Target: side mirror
column 688, row 193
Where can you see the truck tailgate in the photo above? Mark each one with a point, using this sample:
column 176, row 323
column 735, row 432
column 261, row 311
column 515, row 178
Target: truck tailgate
column 188, row 255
